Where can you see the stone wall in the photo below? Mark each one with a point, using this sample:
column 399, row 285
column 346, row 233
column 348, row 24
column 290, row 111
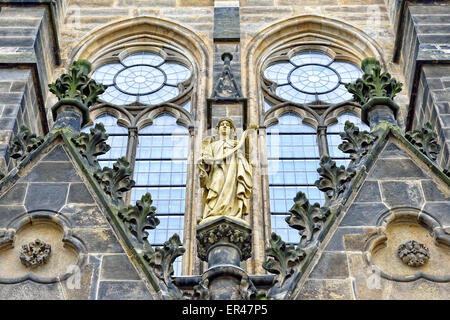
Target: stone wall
column 394, row 202
column 49, row 201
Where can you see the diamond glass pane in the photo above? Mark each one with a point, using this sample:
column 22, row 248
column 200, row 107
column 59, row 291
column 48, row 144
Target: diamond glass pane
column 176, row 73
column 312, row 76
column 114, row 96
column 267, row 106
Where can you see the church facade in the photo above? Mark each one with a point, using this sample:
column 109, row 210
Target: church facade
column 115, row 174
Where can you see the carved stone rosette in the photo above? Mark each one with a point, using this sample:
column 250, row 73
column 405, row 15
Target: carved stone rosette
column 224, row 231
column 413, row 253
column 35, row 254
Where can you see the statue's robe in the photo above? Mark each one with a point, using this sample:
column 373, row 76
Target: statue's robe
column 228, row 183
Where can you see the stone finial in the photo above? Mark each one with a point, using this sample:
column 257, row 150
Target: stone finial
column 76, row 92
column 375, row 91
column 426, row 140
column 24, row 143
column 35, row 253
column 413, row 253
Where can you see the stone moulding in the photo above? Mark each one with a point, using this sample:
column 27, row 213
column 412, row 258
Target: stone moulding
column 413, row 215
column 36, row 217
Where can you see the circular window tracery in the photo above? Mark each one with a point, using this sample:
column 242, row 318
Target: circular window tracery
column 311, row 76
column 143, row 77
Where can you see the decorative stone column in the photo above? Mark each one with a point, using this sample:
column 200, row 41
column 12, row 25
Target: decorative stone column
column 76, row 92
column 224, row 243
column 375, row 91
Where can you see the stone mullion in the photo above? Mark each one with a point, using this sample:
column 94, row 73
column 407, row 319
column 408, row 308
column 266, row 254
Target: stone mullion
column 131, row 153
column 322, row 141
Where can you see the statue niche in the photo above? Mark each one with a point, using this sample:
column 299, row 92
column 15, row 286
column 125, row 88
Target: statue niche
column 225, row 173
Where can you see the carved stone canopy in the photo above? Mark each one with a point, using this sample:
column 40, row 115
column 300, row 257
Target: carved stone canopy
column 224, row 230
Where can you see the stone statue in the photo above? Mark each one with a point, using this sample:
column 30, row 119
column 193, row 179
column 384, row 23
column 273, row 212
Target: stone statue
column 225, row 173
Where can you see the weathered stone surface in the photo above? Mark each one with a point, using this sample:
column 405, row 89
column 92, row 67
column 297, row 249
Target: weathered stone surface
column 118, row 267
column 396, row 169
column 363, row 214
column 52, row 172
column 432, row 192
column 326, row 290
column 94, row 260
column 123, row 290
column 56, row 154
column 393, row 151
column 336, row 242
column 78, row 193
column 15, row 195
column 339, row 269
column 84, row 216
column 398, row 193
column 7, row 213
column 72, row 291
column 369, row 192
column 46, row 196
column 30, row 290
column 98, row 240
column 439, row 210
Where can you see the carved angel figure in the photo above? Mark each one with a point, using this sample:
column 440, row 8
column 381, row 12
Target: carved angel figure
column 225, row 173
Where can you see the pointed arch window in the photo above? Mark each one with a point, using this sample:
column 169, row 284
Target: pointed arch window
column 293, row 158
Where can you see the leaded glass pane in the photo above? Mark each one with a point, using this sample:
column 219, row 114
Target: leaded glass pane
column 293, row 159
column 142, row 77
column 313, row 76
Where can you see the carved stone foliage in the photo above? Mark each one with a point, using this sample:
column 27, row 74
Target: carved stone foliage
column 426, row 140
column 24, row 143
column 140, row 217
column 306, row 218
column 282, row 259
column 201, row 291
column 247, row 289
column 413, row 253
column 161, row 261
column 356, row 143
column 117, row 180
column 333, row 179
column 92, row 145
column 373, row 83
column 76, row 85
column 228, row 233
column 35, row 254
